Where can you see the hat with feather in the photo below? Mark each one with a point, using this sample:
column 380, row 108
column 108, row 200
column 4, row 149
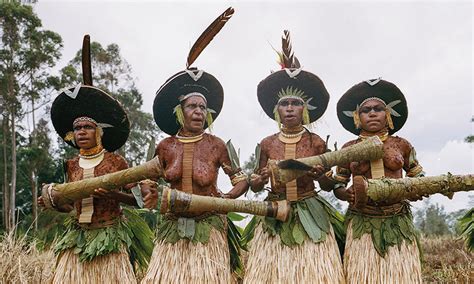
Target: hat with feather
column 292, row 82
column 85, row 102
column 374, row 89
column 167, row 110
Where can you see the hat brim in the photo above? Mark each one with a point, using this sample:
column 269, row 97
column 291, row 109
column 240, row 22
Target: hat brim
column 384, row 90
column 312, row 86
column 96, row 104
column 181, row 84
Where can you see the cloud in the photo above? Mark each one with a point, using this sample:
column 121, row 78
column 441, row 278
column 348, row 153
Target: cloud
column 456, row 157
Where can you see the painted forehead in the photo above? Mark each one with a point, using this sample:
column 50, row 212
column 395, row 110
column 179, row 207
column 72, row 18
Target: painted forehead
column 84, row 119
column 373, row 101
column 290, row 99
column 194, row 99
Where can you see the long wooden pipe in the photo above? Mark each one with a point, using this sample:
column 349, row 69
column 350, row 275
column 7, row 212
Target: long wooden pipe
column 391, row 191
column 367, row 150
column 58, row 194
column 174, row 201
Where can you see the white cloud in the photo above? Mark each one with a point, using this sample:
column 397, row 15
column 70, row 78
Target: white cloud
column 456, row 157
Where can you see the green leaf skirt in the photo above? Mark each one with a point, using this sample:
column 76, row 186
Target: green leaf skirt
column 386, row 231
column 198, row 231
column 310, row 219
column 129, row 230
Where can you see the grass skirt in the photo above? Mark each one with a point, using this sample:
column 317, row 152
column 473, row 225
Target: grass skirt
column 270, row 261
column 188, row 262
column 110, row 268
column 363, row 264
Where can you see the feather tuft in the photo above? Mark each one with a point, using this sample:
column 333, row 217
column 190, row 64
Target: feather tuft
column 287, row 58
column 206, row 37
column 86, row 61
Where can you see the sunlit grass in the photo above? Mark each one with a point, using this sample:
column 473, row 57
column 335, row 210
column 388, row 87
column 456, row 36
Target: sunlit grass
column 445, row 261
column 22, row 262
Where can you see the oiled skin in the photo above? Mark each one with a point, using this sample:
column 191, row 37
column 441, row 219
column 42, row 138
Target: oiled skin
column 396, row 158
column 210, row 153
column 104, row 208
column 272, row 148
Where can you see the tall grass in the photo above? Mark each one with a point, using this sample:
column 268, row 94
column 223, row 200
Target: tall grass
column 446, row 260
column 22, row 262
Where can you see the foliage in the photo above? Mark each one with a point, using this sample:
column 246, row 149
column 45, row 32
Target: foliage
column 432, row 220
column 249, row 165
column 26, row 56
column 470, row 138
column 197, row 231
column 309, row 219
column 386, row 232
column 90, row 243
column 248, row 168
column 466, row 224
column 34, row 155
column 234, row 235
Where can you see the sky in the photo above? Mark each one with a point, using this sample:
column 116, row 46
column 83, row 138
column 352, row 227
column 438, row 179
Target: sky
column 424, row 47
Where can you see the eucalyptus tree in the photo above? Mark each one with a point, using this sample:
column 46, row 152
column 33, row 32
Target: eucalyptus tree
column 27, row 53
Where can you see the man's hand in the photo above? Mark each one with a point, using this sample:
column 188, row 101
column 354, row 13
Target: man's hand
column 150, row 195
column 41, row 202
column 345, row 194
column 260, row 179
column 104, row 194
column 317, row 171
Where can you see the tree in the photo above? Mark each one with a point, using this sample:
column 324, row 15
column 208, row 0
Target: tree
column 432, row 220
column 35, row 166
column 470, row 138
column 249, row 165
column 26, row 53
column 112, row 73
column 248, row 168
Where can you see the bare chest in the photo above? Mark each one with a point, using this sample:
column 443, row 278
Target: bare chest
column 198, row 159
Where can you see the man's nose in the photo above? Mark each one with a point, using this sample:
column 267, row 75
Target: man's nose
column 198, row 111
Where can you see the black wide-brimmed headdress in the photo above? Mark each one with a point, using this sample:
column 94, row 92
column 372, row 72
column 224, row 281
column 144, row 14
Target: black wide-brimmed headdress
column 87, row 101
column 191, row 80
column 376, row 88
column 179, row 85
column 292, row 81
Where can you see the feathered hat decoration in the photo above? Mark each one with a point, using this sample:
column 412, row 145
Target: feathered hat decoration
column 286, row 57
column 290, row 63
column 207, row 36
column 191, row 82
column 84, row 102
